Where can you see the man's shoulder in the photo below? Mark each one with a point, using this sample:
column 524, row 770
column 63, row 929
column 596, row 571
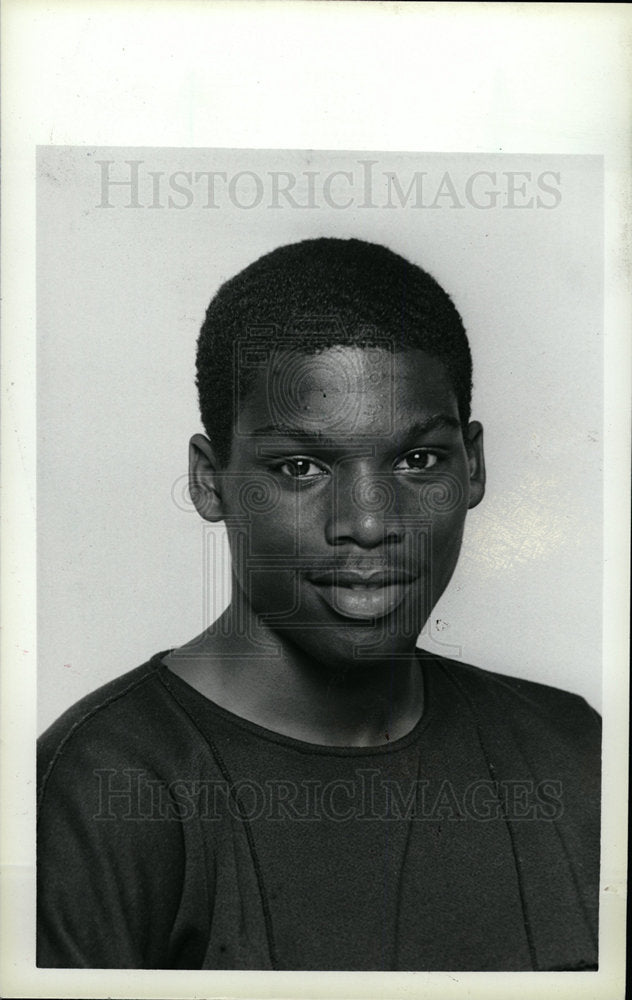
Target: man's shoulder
column 92, row 705
column 524, row 705
column 105, row 723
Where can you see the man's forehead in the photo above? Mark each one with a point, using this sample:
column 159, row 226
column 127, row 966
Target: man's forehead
column 349, row 391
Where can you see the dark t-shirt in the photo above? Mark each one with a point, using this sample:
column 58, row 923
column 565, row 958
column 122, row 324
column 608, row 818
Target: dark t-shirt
column 173, row 834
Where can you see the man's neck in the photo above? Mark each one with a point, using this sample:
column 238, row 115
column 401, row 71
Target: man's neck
column 261, row 675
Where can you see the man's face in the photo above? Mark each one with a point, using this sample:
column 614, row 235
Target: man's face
column 345, row 498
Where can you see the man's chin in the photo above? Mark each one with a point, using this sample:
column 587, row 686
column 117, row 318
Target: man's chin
column 352, row 644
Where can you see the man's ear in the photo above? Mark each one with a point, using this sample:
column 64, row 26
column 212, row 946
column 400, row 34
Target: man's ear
column 476, row 462
column 203, row 479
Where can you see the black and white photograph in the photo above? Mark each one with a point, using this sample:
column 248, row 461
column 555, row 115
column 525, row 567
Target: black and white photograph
column 274, row 775
column 321, row 480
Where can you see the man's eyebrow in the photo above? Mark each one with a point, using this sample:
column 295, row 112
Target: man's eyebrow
column 437, row 421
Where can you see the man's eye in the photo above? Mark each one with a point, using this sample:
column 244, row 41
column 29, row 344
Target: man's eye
column 416, row 461
column 301, row 468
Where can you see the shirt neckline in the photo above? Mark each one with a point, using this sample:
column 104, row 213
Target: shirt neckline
column 195, row 702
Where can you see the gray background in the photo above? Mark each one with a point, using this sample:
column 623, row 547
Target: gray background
column 123, row 559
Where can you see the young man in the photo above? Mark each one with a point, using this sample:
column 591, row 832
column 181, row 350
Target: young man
column 300, row 787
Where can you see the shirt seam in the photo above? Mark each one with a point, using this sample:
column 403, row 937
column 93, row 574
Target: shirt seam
column 79, row 724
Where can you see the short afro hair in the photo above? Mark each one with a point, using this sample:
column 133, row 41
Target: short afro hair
column 317, row 294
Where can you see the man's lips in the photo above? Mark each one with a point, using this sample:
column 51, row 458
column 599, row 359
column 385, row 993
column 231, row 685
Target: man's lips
column 362, row 595
column 360, row 578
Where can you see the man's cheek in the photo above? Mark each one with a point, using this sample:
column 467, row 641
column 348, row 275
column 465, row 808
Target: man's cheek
column 274, row 540
column 257, row 537
column 445, row 546
column 275, row 594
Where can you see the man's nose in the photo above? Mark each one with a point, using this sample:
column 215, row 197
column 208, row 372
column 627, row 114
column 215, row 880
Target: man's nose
column 364, row 510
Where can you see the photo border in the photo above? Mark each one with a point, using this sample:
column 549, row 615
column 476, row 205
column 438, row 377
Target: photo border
column 55, row 95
